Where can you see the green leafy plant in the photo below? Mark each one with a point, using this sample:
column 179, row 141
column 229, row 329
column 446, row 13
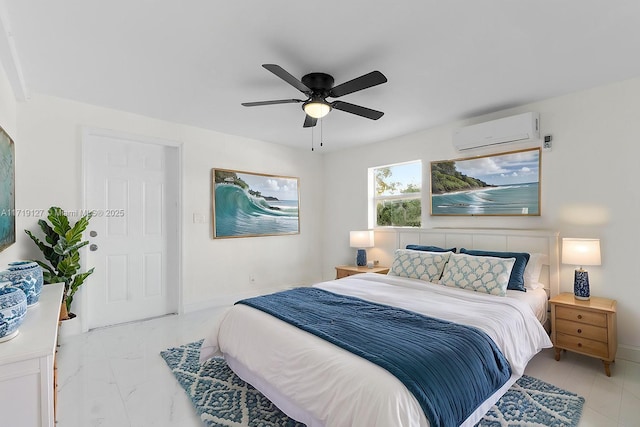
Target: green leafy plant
column 61, row 251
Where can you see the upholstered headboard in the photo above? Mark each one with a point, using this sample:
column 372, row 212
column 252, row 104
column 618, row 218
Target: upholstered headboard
column 492, row 239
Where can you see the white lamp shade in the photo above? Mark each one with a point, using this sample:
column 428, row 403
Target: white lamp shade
column 580, row 251
column 317, row 110
column 361, row 239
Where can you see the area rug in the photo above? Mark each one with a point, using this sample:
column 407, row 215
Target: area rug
column 224, row 400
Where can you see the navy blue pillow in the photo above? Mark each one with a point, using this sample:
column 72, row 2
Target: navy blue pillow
column 516, row 280
column 429, row 248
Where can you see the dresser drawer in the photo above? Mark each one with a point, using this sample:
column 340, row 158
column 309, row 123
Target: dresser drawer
column 582, row 345
column 581, row 330
column 582, row 316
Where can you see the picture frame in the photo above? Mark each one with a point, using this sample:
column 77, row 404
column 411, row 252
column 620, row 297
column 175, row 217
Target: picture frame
column 249, row 204
column 7, row 191
column 504, row 184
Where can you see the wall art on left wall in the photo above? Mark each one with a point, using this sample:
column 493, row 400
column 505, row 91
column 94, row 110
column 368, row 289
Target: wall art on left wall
column 7, row 191
column 247, row 204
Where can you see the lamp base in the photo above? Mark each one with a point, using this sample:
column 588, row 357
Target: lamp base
column 361, row 258
column 581, row 285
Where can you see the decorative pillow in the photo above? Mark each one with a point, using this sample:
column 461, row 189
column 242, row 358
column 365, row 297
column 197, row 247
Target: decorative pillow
column 427, row 266
column 534, row 267
column 429, row 248
column 477, row 273
column 516, row 280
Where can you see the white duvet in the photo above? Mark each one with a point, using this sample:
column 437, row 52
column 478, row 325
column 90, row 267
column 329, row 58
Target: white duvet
column 321, row 384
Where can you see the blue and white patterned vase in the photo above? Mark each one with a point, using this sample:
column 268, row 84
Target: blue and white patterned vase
column 361, row 258
column 26, row 275
column 581, row 285
column 13, row 308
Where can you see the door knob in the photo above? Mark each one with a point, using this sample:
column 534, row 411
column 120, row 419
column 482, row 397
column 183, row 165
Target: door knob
column 93, row 247
column 93, row 233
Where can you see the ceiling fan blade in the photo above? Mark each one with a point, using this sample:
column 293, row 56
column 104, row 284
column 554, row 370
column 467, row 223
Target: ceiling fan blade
column 284, row 75
column 278, row 101
column 309, row 122
column 374, row 78
column 357, row 109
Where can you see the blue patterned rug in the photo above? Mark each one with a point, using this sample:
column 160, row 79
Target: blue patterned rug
column 222, row 399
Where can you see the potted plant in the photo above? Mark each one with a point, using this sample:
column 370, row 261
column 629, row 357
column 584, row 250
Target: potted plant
column 60, row 249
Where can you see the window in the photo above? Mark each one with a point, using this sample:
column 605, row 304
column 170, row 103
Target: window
column 397, row 198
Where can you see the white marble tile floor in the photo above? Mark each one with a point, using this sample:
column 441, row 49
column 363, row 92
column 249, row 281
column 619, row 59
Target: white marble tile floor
column 115, row 377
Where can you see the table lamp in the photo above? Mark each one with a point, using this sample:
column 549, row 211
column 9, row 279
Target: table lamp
column 581, row 252
column 361, row 240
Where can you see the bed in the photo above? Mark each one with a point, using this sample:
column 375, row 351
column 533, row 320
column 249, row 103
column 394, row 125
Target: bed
column 320, row 383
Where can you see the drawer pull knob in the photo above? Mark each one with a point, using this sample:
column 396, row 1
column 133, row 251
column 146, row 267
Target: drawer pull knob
column 579, row 344
column 579, row 331
column 579, row 316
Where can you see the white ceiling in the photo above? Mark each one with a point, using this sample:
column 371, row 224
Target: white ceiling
column 195, row 61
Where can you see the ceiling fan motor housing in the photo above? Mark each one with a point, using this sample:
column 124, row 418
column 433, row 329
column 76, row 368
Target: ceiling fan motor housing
column 318, row 82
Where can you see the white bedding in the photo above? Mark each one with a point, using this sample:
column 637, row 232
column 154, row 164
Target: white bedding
column 534, row 298
column 320, row 384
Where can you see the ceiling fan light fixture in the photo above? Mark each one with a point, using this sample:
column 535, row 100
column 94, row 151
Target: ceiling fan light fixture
column 316, row 108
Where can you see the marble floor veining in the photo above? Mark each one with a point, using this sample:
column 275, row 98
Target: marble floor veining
column 115, row 377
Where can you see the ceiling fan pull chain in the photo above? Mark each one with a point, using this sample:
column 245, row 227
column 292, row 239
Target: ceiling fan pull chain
column 321, row 133
column 312, row 140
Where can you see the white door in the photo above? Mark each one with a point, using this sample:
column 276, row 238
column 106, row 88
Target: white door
column 132, row 187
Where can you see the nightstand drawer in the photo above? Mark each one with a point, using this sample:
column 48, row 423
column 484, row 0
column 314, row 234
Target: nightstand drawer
column 581, row 330
column 350, row 270
column 343, row 273
column 582, row 316
column 582, row 345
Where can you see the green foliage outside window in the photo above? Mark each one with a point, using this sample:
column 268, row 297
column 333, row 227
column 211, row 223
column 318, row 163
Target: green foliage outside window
column 392, row 208
column 399, row 213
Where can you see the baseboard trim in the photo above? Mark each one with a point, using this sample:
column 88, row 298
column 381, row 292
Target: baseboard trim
column 630, row 353
column 230, row 299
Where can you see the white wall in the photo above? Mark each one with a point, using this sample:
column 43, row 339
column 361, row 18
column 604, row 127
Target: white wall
column 48, row 172
column 7, row 105
column 589, row 189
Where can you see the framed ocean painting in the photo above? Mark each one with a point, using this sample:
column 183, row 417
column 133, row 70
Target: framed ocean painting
column 247, row 204
column 497, row 184
column 7, row 191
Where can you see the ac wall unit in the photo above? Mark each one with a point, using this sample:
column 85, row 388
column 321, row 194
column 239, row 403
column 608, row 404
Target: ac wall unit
column 520, row 128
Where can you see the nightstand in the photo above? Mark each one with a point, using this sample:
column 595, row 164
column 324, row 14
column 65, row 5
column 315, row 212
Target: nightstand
column 585, row 327
column 350, row 270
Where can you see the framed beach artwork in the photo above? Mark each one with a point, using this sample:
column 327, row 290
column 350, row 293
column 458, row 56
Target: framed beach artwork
column 7, row 191
column 497, row 184
column 247, row 204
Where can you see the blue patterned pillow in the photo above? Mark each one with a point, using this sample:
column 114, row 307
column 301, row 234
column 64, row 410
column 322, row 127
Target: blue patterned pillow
column 481, row 274
column 429, row 248
column 427, row 266
column 516, row 280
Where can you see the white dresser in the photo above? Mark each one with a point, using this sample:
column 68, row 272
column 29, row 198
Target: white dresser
column 27, row 385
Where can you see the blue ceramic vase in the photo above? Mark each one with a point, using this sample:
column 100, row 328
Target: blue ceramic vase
column 25, row 275
column 13, row 308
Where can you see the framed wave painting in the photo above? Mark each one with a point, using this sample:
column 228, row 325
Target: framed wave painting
column 247, row 204
column 497, row 184
column 7, row 191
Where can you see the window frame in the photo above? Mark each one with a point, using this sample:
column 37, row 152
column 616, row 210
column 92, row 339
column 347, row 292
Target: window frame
column 374, row 199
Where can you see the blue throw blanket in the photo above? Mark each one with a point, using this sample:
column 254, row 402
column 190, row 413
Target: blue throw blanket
column 449, row 368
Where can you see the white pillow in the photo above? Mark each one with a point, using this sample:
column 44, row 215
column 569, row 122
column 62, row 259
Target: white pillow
column 534, row 285
column 478, row 273
column 427, row 266
column 532, row 271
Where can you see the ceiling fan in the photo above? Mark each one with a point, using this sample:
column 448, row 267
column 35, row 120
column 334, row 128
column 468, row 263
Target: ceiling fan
column 318, row 87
